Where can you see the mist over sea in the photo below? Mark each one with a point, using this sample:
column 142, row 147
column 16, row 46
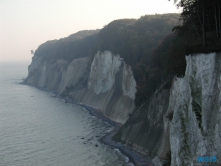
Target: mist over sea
column 38, row 129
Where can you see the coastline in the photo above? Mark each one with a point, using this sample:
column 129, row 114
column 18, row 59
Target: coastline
column 137, row 158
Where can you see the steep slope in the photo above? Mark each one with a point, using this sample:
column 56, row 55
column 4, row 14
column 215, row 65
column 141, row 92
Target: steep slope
column 148, row 128
column 196, row 102
column 186, row 121
column 104, row 82
column 80, row 67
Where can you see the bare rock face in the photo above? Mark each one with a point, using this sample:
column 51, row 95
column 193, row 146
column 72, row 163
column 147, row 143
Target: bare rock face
column 104, row 82
column 196, row 101
column 75, row 70
column 147, row 130
column 183, row 123
column 103, row 70
column 107, row 82
column 110, row 87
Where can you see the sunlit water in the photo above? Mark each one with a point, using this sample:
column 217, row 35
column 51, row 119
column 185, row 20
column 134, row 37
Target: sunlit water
column 37, row 129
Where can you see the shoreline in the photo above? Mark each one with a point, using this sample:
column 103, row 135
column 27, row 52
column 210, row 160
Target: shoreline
column 134, row 156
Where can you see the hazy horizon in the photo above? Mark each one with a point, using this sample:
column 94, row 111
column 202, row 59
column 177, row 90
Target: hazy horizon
column 27, row 24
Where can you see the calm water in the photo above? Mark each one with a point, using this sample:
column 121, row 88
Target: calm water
column 37, row 129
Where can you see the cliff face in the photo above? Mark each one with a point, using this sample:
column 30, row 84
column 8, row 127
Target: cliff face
column 147, row 130
column 181, row 122
column 185, row 121
column 103, row 81
column 196, row 103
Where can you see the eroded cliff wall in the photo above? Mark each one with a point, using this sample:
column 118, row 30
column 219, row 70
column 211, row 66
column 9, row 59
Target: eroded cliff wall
column 183, row 121
column 104, row 81
column 147, row 129
column 196, row 102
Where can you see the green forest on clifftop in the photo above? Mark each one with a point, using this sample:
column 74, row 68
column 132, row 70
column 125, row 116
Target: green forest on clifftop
column 154, row 45
column 139, row 41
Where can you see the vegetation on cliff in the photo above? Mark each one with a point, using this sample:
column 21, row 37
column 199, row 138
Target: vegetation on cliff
column 199, row 32
column 80, row 44
column 147, row 44
column 201, row 25
column 134, row 40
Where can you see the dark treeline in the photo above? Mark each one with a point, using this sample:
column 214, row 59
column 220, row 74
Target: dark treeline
column 200, row 17
column 141, row 43
column 198, row 32
column 80, row 44
column 135, row 40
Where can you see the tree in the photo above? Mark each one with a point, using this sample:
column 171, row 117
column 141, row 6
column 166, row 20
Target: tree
column 197, row 14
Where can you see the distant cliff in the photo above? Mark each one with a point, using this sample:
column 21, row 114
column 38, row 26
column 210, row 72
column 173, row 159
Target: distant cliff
column 104, row 82
column 101, row 68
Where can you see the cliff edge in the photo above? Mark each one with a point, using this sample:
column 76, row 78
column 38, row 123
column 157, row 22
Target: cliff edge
column 103, row 81
column 179, row 125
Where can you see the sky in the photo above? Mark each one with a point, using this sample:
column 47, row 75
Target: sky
column 25, row 24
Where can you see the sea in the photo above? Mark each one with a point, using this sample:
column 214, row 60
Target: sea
column 39, row 129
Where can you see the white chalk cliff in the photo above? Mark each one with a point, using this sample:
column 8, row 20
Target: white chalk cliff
column 104, row 82
column 194, row 130
column 196, row 102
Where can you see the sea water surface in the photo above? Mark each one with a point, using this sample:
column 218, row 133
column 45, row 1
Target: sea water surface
column 38, row 129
